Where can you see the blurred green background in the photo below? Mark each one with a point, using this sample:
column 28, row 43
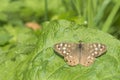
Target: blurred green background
column 27, row 54
column 100, row 14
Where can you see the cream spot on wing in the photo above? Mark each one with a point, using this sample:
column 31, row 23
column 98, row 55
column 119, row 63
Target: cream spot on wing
column 64, row 52
column 65, row 45
column 61, row 44
column 64, row 48
column 99, row 45
column 57, row 45
column 92, row 58
column 69, row 45
column 89, row 57
column 96, row 48
column 96, row 52
column 101, row 49
column 59, row 48
column 67, row 53
column 92, row 54
column 91, row 46
column 94, row 45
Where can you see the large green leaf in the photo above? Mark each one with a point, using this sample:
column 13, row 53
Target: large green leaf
column 42, row 63
column 105, row 67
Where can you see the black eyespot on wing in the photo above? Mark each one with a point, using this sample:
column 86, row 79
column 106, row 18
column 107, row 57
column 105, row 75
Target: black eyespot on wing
column 102, row 46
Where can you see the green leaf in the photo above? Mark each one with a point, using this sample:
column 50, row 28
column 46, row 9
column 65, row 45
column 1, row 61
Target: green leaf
column 42, row 63
column 16, row 52
column 4, row 36
column 105, row 67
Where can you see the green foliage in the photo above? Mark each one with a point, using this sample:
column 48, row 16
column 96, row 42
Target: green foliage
column 4, row 36
column 16, row 51
column 100, row 14
column 19, row 11
column 29, row 57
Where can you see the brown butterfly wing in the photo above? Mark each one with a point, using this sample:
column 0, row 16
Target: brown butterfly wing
column 82, row 53
column 69, row 51
column 90, row 51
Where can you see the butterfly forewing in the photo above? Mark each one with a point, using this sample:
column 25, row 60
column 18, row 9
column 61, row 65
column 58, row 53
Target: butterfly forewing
column 64, row 48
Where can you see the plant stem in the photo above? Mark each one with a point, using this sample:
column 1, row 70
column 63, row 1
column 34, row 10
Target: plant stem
column 90, row 16
column 46, row 10
column 108, row 22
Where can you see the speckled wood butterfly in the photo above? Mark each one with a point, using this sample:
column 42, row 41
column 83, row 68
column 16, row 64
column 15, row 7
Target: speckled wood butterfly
column 81, row 53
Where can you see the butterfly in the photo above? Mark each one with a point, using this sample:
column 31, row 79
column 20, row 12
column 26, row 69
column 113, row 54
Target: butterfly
column 80, row 53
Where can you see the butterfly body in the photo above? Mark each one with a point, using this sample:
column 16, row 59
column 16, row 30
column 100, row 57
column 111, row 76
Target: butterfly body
column 81, row 53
